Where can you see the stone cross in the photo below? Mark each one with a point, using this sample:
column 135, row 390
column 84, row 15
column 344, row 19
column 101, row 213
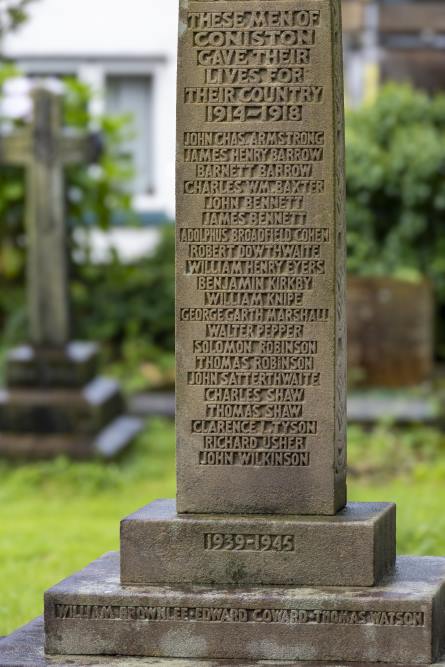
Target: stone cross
column 44, row 149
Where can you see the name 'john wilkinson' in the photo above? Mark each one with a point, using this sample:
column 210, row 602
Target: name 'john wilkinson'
column 257, row 459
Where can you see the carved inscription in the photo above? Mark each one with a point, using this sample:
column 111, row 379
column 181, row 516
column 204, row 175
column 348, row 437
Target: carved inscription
column 148, row 613
column 257, row 235
column 255, row 64
column 242, row 542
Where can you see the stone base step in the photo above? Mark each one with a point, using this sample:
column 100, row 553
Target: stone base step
column 107, row 444
column 400, row 621
column 162, row 547
column 24, row 648
column 60, row 411
column 73, row 365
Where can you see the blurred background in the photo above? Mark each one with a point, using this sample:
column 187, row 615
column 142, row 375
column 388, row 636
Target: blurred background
column 114, row 63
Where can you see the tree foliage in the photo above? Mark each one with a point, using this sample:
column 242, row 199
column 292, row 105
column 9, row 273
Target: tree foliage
column 396, row 186
column 12, row 14
column 396, row 190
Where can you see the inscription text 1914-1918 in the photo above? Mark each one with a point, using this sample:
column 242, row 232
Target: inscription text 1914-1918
column 260, row 261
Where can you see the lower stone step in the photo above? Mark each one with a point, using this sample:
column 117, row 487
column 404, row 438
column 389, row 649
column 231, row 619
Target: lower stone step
column 48, row 411
column 401, row 621
column 24, row 648
column 107, row 444
column 71, row 366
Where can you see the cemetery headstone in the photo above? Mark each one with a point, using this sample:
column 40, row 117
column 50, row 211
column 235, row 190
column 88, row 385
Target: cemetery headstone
column 54, row 403
column 261, row 558
column 390, row 332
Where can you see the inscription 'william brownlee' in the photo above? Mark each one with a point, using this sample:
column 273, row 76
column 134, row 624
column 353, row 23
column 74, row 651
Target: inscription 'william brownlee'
column 260, row 232
column 228, row 615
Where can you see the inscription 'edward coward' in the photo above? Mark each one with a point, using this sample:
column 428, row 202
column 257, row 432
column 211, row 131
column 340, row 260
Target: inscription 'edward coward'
column 227, row 615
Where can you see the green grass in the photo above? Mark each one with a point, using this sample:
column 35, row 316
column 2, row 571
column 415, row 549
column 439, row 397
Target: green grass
column 58, row 516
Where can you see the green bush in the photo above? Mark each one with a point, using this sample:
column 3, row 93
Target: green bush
column 396, row 190
column 129, row 309
column 13, row 14
column 396, row 186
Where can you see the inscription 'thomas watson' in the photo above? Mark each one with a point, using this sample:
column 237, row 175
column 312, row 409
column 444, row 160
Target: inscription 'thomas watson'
column 66, row 612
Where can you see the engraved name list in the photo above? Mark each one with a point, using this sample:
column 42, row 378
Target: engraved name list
column 256, row 260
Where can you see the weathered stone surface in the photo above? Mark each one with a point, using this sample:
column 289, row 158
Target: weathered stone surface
column 25, row 648
column 108, row 443
column 159, row 546
column 60, row 411
column 399, row 621
column 71, row 366
column 261, row 369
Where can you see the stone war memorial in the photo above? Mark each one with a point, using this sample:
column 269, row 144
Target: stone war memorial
column 54, row 402
column 261, row 558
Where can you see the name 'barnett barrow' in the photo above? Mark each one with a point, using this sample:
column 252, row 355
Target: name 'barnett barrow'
column 254, row 95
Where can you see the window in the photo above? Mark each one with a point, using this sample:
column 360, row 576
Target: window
column 134, row 95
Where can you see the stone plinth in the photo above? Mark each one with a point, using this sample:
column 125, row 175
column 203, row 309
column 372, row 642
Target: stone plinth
column 107, row 443
column 25, row 648
column 159, row 546
column 399, row 621
column 54, row 404
column 72, row 365
column 60, row 410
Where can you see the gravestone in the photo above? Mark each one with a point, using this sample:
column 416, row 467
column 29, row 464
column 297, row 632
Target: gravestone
column 390, row 332
column 261, row 558
column 54, row 403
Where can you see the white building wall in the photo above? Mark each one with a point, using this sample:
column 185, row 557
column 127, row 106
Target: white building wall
column 96, row 38
column 97, row 27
